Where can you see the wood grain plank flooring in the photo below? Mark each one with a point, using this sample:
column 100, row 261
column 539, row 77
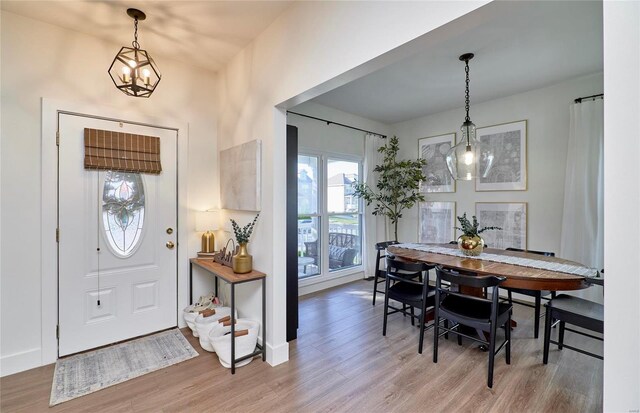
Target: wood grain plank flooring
column 342, row 363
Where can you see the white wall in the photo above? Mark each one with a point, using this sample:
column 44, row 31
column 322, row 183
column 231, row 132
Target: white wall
column 313, row 47
column 41, row 60
column 317, row 135
column 547, row 113
column 622, row 206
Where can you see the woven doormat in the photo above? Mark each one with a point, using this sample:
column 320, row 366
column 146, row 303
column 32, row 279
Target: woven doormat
column 89, row 372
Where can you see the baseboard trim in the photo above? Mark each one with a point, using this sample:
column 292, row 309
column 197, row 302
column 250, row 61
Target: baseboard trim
column 278, row 354
column 17, row 362
column 332, row 282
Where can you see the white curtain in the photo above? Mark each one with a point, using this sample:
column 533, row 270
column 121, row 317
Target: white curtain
column 583, row 215
column 375, row 229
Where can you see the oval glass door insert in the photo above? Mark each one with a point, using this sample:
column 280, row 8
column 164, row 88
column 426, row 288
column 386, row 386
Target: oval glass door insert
column 123, row 211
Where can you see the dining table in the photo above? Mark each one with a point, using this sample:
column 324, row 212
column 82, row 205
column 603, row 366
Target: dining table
column 517, row 276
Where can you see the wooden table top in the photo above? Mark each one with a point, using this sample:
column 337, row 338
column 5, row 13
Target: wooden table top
column 226, row 273
column 517, row 276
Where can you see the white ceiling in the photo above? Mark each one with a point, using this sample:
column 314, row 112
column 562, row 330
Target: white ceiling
column 521, row 46
column 206, row 33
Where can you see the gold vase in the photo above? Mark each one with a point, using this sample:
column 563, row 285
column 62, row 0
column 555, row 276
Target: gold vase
column 242, row 262
column 471, row 246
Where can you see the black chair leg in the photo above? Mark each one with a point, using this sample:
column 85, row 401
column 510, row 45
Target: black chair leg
column 413, row 317
column 536, row 322
column 404, row 310
column 446, row 325
column 436, row 334
column 459, row 336
column 553, row 295
column 561, row 335
column 492, row 354
column 375, row 287
column 507, row 333
column 386, row 307
column 509, row 295
column 547, row 335
column 424, row 310
column 375, row 277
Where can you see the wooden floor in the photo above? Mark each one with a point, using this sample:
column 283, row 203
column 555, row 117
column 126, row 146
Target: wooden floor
column 341, row 362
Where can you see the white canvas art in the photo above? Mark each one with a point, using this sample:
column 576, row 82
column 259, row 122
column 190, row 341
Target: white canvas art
column 437, row 220
column 240, row 185
column 434, row 150
column 508, row 143
column 511, row 217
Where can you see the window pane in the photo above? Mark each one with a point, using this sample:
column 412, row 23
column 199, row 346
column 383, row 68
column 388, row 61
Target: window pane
column 307, row 185
column 345, row 239
column 341, row 175
column 308, row 246
column 123, row 210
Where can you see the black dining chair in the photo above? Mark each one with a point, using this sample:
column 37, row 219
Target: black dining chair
column 477, row 312
column 380, row 273
column 537, row 295
column 567, row 309
column 408, row 291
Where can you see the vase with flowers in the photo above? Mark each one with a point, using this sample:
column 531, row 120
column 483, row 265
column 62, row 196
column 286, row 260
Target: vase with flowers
column 242, row 262
column 470, row 242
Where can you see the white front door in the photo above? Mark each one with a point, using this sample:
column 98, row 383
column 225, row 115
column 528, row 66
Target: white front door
column 117, row 275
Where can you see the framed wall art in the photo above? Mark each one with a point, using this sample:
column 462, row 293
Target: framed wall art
column 510, row 216
column 436, row 222
column 509, row 146
column 434, row 150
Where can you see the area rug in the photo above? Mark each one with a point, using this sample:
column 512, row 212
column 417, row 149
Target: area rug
column 89, row 372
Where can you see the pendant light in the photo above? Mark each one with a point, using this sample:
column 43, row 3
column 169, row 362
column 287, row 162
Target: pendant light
column 470, row 158
column 133, row 71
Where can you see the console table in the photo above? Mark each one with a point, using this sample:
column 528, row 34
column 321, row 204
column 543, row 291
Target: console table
column 226, row 274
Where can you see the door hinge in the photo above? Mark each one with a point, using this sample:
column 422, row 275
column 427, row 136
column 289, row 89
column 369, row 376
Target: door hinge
column 57, row 234
column 58, row 331
column 58, row 138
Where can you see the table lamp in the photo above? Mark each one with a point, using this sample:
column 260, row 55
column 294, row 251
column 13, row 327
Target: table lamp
column 207, row 221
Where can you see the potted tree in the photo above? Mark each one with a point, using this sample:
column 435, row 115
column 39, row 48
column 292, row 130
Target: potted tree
column 398, row 186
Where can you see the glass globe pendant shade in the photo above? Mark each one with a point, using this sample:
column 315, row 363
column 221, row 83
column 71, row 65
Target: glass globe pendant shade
column 470, row 158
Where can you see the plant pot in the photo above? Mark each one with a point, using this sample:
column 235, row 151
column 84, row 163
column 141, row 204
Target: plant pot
column 242, row 262
column 471, row 246
column 204, row 325
column 221, row 341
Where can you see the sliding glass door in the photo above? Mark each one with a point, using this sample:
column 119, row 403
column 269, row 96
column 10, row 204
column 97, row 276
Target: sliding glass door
column 329, row 215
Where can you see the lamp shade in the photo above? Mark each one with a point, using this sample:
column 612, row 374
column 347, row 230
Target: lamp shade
column 207, row 221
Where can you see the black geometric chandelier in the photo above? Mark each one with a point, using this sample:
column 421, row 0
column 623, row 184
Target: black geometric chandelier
column 133, row 71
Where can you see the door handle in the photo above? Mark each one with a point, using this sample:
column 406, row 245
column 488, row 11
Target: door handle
column 170, row 245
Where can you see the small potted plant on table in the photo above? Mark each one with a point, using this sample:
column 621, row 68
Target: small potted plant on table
column 470, row 242
column 242, row 262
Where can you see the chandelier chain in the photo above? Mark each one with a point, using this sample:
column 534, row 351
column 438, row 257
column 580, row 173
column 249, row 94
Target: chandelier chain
column 135, row 43
column 466, row 94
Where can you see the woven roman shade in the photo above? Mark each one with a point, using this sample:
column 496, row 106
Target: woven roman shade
column 125, row 152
